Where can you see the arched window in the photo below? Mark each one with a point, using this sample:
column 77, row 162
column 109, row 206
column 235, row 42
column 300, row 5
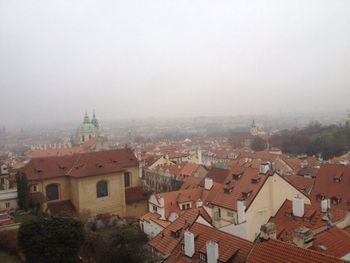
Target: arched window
column 52, row 192
column 101, row 189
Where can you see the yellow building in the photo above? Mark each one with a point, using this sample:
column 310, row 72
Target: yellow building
column 93, row 183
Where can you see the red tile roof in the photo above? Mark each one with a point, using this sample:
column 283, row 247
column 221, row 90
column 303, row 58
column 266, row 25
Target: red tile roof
column 80, row 165
column 231, row 248
column 274, row 251
column 334, row 242
column 165, row 242
column 218, row 175
column 303, row 184
column 286, row 223
column 326, row 184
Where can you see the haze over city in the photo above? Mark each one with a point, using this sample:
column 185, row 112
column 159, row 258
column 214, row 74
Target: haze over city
column 139, row 59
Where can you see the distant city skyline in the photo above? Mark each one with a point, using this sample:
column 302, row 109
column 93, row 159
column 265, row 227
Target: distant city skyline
column 165, row 59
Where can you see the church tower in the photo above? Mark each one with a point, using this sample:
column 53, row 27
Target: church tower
column 88, row 129
column 253, row 129
column 94, row 120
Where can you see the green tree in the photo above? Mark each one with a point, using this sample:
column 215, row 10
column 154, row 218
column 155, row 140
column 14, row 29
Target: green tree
column 258, row 144
column 51, row 239
column 22, row 191
column 125, row 244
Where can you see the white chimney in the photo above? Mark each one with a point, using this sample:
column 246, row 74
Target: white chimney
column 161, row 201
column 199, row 203
column 199, row 156
column 212, row 251
column 324, row 205
column 208, row 183
column 240, row 211
column 298, row 206
column 189, row 243
column 268, row 231
column 264, row 168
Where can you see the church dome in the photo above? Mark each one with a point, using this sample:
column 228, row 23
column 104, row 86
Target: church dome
column 87, row 127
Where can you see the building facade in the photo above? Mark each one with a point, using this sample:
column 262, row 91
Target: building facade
column 93, row 183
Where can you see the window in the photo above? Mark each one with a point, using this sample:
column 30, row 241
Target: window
column 89, row 136
column 126, row 179
column 83, row 138
column 188, row 206
column 7, row 205
column 101, row 189
column 52, row 192
column 202, row 257
column 35, row 188
column 183, row 207
column 229, row 214
column 154, row 208
column 219, row 212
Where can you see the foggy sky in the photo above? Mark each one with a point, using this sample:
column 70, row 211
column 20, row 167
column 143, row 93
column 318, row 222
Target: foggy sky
column 143, row 58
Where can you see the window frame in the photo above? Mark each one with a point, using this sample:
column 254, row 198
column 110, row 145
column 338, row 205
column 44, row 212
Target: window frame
column 99, row 192
column 127, row 183
column 50, row 195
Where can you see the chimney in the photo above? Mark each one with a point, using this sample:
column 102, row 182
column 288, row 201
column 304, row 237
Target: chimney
column 199, row 153
column 189, row 243
column 268, row 231
column 208, row 183
column 264, row 168
column 303, row 237
column 199, row 203
column 298, row 206
column 212, row 251
column 240, row 211
column 161, row 201
column 324, row 205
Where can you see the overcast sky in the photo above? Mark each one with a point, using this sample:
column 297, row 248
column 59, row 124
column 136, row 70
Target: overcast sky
column 143, row 58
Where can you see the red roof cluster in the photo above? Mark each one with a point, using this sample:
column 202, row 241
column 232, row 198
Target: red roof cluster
column 274, row 251
column 80, row 165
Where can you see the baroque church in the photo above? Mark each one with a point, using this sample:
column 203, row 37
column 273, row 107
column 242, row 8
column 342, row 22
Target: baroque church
column 88, row 130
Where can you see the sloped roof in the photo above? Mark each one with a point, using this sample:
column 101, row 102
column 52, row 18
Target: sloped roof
column 325, row 184
column 274, row 251
column 80, row 165
column 286, row 223
column 230, row 247
column 165, row 242
column 335, row 241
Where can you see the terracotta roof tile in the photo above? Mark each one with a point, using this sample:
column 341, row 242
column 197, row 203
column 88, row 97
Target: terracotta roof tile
column 274, row 251
column 230, row 247
column 334, row 242
column 286, row 223
column 80, row 165
column 326, row 184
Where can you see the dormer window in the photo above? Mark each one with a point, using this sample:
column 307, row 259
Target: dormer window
column 175, row 233
column 337, row 178
column 255, row 180
column 246, row 194
column 335, row 200
column 320, row 197
column 237, row 176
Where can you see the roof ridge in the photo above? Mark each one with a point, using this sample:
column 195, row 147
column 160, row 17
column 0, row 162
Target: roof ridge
column 76, row 160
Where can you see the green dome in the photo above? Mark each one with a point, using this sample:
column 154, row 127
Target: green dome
column 87, row 127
